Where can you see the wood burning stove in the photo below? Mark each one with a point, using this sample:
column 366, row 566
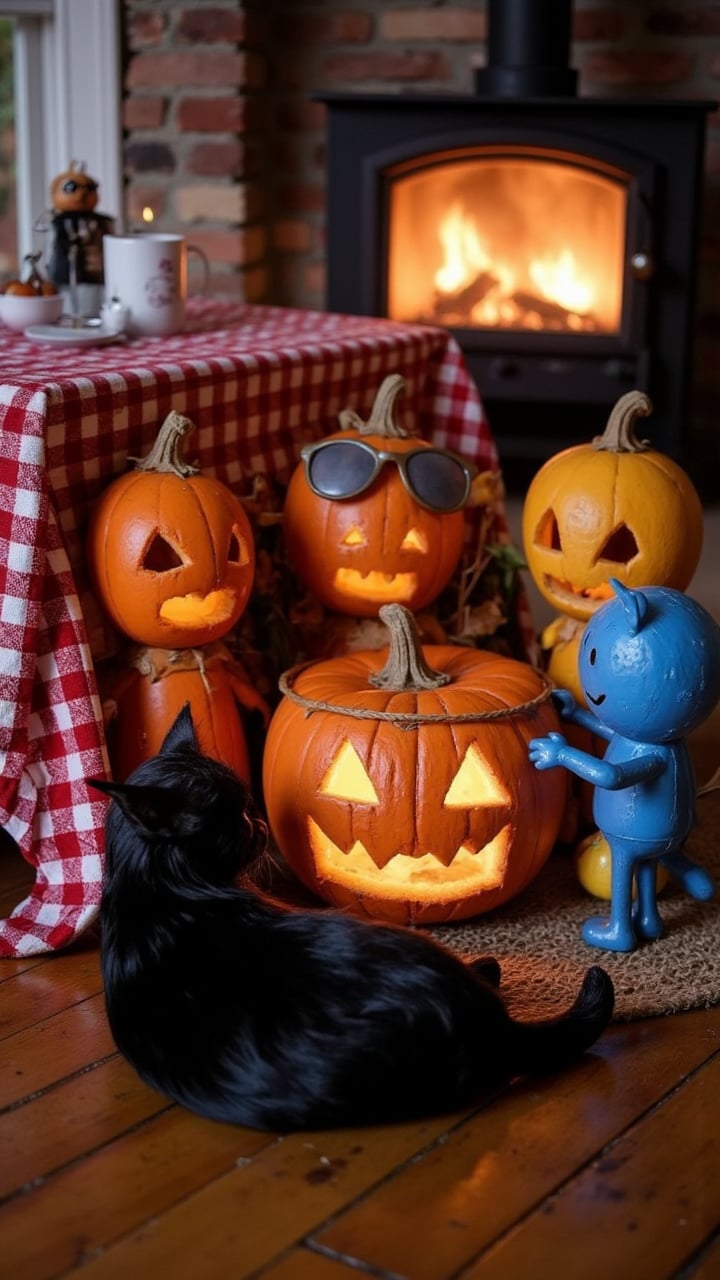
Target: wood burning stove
column 554, row 234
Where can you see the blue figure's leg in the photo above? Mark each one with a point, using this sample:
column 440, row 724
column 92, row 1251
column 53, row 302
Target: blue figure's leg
column 646, row 918
column 616, row 934
column 694, row 879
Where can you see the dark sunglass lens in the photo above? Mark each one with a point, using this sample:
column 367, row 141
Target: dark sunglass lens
column 437, row 480
column 340, row 469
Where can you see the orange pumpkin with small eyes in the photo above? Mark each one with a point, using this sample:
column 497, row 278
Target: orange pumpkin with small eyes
column 356, row 554
column 615, row 508
column 170, row 551
column 411, row 796
column 74, row 191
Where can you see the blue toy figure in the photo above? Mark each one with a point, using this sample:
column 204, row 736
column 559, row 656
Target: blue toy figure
column 649, row 665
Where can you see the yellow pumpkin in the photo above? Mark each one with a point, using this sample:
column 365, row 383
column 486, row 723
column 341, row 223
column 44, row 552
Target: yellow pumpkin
column 614, row 508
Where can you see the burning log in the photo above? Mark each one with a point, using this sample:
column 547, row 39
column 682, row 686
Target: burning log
column 463, row 301
column 552, row 312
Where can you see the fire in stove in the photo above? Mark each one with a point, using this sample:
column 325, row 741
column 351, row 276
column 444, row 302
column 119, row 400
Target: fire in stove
column 508, row 243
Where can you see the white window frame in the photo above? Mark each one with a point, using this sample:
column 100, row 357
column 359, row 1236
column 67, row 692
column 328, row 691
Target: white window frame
column 67, row 101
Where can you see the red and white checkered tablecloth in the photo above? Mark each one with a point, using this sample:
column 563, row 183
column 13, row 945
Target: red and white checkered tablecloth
column 257, row 382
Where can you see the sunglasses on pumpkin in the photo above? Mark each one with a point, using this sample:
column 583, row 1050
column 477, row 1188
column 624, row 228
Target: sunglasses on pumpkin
column 436, row 478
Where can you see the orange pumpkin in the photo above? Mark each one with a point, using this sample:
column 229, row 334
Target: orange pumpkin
column 411, row 797
column 611, row 509
column 74, row 191
column 151, row 689
column 170, row 552
column 380, row 546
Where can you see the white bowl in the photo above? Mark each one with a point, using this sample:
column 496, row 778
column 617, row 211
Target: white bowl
column 18, row 310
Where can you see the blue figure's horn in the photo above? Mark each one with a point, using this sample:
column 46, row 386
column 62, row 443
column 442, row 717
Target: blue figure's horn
column 634, row 603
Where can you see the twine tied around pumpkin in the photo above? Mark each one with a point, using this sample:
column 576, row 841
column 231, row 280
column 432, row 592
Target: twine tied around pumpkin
column 406, row 671
column 619, row 434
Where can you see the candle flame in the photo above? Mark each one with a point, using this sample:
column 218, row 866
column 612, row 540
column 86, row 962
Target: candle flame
column 147, row 214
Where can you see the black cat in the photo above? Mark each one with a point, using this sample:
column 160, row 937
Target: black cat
column 251, row 1012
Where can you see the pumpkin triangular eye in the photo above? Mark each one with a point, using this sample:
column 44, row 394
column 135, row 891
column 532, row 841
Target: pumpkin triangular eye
column 414, row 540
column 475, row 785
column 160, row 556
column 347, row 778
column 354, row 537
column 237, row 551
column 620, row 547
column 547, row 533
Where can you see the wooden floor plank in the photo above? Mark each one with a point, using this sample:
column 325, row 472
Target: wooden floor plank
column 68, row 1218
column 440, row 1211
column 652, row 1200
column 306, row 1264
column 71, row 1120
column 707, row 1265
column 49, row 988
column 58, row 1047
column 253, row 1214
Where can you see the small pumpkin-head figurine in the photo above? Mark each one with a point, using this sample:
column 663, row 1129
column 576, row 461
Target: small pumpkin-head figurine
column 411, row 797
column 373, row 515
column 614, row 508
column 74, row 191
column 170, row 551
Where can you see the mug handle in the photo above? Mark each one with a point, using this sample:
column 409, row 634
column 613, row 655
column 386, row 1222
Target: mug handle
column 193, row 248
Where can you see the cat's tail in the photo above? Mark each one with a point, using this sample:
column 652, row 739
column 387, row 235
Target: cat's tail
column 536, row 1047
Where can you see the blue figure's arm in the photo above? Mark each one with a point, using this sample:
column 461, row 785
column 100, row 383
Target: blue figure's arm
column 549, row 752
column 569, row 710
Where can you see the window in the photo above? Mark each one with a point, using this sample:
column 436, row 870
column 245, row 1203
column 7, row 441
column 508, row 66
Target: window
column 66, row 65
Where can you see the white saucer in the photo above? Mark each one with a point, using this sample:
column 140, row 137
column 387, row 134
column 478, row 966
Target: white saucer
column 92, row 335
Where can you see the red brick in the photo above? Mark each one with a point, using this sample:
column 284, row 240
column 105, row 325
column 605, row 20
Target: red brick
column 598, row 24
column 315, row 278
column 212, row 115
column 179, row 69
column 451, row 23
column 256, row 284
column 144, row 111
column 150, row 156
column 145, row 29
column 213, row 159
column 221, row 245
column 301, row 197
column 637, row 67
column 212, row 26
column 409, row 66
column 291, row 235
column 301, row 116
column 329, row 30
column 685, row 21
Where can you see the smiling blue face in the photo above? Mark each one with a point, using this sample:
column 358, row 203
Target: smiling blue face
column 649, row 664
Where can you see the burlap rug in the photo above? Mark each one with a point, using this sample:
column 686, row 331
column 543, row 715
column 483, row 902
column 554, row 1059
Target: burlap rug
column 536, row 938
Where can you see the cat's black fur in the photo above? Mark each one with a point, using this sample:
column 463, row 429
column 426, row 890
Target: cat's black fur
column 247, row 1011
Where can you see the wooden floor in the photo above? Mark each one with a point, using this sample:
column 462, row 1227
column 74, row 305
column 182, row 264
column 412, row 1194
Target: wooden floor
column 611, row 1170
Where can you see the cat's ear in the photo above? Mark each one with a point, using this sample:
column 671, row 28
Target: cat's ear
column 181, row 734
column 155, row 811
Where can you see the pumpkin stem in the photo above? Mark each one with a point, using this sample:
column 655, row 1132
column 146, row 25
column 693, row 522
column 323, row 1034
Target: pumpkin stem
column 381, row 421
column 166, row 453
column 406, row 669
column 619, row 435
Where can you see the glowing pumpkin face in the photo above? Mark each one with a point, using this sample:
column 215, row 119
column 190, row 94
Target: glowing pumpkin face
column 437, row 821
column 383, row 543
column 170, row 552
column 611, row 509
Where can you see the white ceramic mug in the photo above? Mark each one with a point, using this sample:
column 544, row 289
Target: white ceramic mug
column 147, row 274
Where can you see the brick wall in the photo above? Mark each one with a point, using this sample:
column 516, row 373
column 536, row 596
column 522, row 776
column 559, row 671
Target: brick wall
column 224, row 141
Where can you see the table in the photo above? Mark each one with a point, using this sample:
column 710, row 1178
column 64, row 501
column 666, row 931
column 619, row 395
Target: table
column 257, row 382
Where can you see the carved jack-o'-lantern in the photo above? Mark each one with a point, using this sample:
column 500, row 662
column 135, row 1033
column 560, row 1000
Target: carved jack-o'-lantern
column 74, row 191
column 373, row 516
column 410, row 797
column 611, row 509
column 170, row 551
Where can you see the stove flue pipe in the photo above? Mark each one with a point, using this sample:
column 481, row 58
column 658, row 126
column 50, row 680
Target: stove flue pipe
column 528, row 44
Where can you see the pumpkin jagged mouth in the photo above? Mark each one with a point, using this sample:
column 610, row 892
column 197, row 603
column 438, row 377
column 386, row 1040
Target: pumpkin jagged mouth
column 595, row 596
column 385, row 588
column 195, row 609
column 424, row 878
